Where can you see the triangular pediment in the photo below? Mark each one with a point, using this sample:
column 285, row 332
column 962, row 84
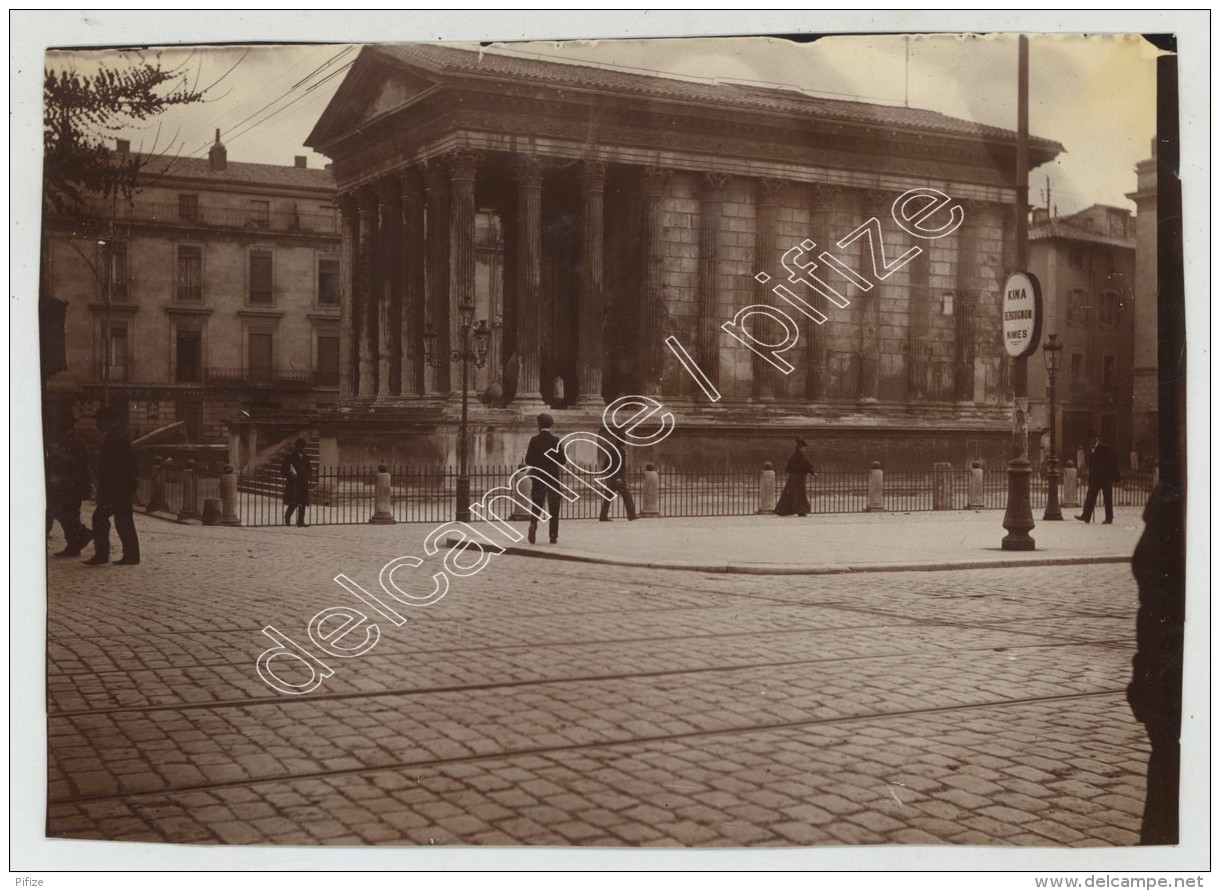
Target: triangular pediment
column 372, row 89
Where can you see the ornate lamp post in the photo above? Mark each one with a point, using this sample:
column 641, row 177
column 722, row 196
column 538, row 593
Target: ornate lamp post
column 469, row 354
column 1050, row 352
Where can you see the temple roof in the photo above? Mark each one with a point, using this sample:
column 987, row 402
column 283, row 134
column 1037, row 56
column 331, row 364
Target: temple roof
column 445, row 62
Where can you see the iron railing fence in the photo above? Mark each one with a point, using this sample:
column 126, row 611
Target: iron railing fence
column 428, row 494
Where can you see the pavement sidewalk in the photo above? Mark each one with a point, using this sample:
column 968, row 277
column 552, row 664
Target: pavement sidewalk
column 836, row 543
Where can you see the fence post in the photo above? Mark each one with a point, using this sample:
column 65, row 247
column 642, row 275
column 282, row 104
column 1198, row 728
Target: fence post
column 650, row 498
column 156, row 489
column 974, row 490
column 942, row 485
column 876, row 488
column 190, row 494
column 519, row 513
column 1071, row 491
column 383, row 514
column 228, row 498
column 766, row 490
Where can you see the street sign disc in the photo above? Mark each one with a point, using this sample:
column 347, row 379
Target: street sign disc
column 1021, row 314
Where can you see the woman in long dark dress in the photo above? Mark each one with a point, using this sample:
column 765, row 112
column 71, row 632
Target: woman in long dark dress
column 793, row 499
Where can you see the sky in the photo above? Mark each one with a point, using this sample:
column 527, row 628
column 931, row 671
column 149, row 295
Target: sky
column 1096, row 95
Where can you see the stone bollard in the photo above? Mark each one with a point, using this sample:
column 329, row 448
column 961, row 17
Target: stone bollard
column 650, row 498
column 190, row 494
column 1071, row 488
column 211, row 512
column 876, row 488
column 228, row 498
column 383, row 514
column 156, row 488
column 942, row 486
column 766, row 490
column 975, row 499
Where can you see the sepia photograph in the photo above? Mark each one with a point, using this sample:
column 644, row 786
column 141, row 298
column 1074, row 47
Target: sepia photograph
column 770, row 444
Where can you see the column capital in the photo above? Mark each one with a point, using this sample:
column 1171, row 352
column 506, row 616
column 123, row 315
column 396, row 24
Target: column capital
column 655, row 180
column 528, row 170
column 769, row 189
column 593, row 174
column 826, row 194
column 464, row 163
column 410, row 182
column 366, row 198
column 712, row 185
column 387, row 190
column 435, row 172
column 347, row 203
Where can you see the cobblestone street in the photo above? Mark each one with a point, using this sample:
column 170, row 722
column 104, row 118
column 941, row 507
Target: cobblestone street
column 555, row 703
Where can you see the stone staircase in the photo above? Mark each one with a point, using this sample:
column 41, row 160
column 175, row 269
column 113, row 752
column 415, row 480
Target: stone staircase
column 266, row 479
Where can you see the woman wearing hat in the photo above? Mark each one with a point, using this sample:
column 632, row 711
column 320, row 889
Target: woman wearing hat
column 793, row 499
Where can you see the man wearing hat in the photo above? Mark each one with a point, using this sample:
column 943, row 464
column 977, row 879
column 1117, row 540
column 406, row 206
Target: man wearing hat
column 1103, row 474
column 537, row 458
column 116, row 486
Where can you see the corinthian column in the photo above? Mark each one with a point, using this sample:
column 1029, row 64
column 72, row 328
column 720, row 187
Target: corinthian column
column 711, row 208
column 653, row 312
column 412, row 283
column 436, row 199
column 463, row 166
column 349, row 300
column 592, row 316
column 768, row 380
column 389, row 295
column 368, row 302
column 529, row 277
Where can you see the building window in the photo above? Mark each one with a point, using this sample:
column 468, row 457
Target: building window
column 189, row 361
column 328, row 361
column 260, row 363
column 1109, row 376
column 946, row 304
column 328, row 282
column 1078, row 307
column 1109, row 316
column 190, row 273
column 261, row 277
column 188, row 208
column 115, row 351
column 1076, row 257
column 260, row 213
column 1077, row 368
column 118, row 269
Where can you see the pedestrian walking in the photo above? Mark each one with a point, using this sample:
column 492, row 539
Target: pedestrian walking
column 794, row 500
column 617, row 483
column 545, row 456
column 1103, row 474
column 68, row 484
column 297, row 471
column 117, row 479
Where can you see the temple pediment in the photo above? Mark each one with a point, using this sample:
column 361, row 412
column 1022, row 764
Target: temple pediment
column 371, row 91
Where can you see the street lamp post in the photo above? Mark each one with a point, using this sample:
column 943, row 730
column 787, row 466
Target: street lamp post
column 1050, row 352
column 467, row 355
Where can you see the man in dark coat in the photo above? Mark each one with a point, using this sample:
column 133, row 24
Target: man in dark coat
column 536, row 458
column 116, row 486
column 1103, row 474
column 68, row 484
column 297, row 471
column 616, row 483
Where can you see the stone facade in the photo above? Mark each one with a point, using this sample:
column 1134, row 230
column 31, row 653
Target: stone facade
column 214, row 288
column 1144, row 395
column 635, row 209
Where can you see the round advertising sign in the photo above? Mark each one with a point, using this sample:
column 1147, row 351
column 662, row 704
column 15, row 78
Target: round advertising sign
column 1021, row 314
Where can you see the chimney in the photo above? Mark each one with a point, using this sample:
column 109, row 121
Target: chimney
column 298, row 161
column 217, row 156
column 122, row 147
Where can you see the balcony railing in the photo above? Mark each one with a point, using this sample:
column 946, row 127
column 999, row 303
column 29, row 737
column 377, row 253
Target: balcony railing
column 235, row 218
column 283, row 377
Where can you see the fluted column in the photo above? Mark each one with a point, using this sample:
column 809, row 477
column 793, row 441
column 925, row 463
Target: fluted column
column 368, row 278
column 963, row 311
column 349, row 300
column 768, row 380
column 592, row 313
column 436, row 200
column 870, row 305
column 653, row 315
column 389, row 291
column 919, row 305
column 711, row 209
column 463, row 167
column 411, row 334
column 824, row 199
column 529, row 277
